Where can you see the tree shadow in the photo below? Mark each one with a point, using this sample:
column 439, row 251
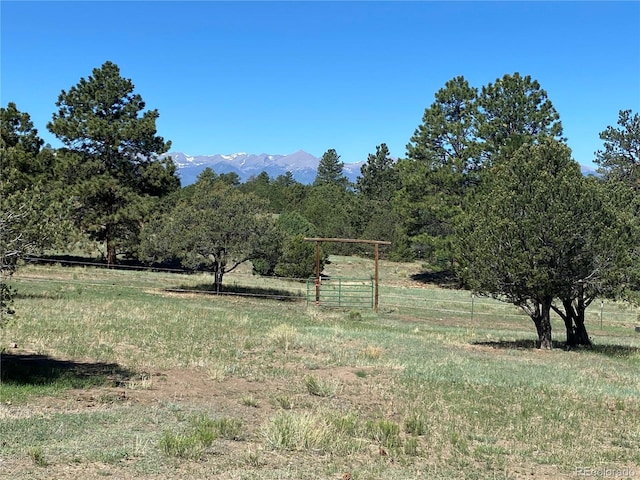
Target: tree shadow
column 522, row 344
column 238, row 290
column 442, row 278
column 122, row 263
column 31, row 369
column 614, row 351
column 35, row 296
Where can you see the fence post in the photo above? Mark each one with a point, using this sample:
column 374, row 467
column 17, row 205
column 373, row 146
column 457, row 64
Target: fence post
column 317, row 273
column 374, row 303
column 473, row 297
column 377, row 279
column 601, row 309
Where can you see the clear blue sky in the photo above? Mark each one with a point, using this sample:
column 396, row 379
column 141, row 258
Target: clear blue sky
column 267, row 77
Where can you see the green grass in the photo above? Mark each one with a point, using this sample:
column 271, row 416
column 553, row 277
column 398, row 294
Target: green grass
column 282, row 390
column 320, row 387
column 201, row 433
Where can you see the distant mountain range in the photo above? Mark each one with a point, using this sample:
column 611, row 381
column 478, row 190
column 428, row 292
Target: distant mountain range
column 302, row 165
column 586, row 171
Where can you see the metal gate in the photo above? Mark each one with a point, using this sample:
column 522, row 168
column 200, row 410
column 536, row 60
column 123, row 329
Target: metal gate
column 341, row 292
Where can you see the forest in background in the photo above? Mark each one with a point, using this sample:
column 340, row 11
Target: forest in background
column 487, row 191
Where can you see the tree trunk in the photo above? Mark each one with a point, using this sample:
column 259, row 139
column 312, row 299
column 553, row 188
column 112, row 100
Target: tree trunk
column 582, row 337
column 571, row 332
column 219, row 269
column 111, row 252
column 218, row 279
column 568, row 318
column 542, row 321
column 574, row 322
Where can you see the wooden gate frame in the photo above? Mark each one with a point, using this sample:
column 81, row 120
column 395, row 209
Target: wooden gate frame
column 375, row 243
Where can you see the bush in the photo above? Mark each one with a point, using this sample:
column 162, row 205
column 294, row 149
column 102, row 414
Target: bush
column 298, row 258
column 263, row 266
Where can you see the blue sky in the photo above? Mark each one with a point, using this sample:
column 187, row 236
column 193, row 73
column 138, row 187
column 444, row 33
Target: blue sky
column 277, row 77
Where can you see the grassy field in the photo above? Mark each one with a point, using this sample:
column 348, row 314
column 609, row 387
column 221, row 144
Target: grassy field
column 126, row 374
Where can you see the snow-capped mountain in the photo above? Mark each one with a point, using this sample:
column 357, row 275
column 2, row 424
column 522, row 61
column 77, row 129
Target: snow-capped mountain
column 588, row 171
column 301, row 164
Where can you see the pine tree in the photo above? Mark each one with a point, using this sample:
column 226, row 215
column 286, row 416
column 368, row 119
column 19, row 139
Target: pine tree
column 439, row 171
column 330, row 170
column 111, row 154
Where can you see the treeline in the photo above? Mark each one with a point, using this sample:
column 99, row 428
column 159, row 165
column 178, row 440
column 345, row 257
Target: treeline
column 487, row 190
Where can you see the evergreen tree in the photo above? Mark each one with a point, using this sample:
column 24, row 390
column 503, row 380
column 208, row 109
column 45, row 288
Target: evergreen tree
column 259, row 185
column 462, row 135
column 111, row 155
column 446, row 136
column 32, row 210
column 439, row 171
column 328, row 204
column 511, row 112
column 375, row 218
column 378, row 180
column 21, row 161
column 216, row 228
column 298, row 259
column 538, row 232
column 619, row 163
column 329, row 207
column 620, row 159
column 330, row 171
column 287, row 194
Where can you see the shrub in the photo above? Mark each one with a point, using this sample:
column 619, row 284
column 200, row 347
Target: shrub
column 298, row 258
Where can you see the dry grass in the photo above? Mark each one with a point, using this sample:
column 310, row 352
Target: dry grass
column 135, row 382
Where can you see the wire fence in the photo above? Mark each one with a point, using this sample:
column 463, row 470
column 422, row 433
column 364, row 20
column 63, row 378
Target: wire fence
column 415, row 300
column 171, row 280
column 467, row 306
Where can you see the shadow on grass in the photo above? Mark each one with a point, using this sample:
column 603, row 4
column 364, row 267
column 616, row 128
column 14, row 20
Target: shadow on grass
column 35, row 296
column 122, row 263
column 40, row 370
column 523, row 344
column 615, row 351
column 238, row 290
column 443, row 278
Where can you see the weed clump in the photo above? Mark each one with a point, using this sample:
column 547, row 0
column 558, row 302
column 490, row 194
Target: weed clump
column 319, row 387
column 200, row 435
column 320, row 432
column 284, row 336
column 37, row 456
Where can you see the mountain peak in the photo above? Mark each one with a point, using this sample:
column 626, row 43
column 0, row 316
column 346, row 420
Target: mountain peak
column 301, row 164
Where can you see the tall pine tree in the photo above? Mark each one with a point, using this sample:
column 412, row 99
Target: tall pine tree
column 111, row 152
column 513, row 111
column 439, row 170
column 330, row 171
column 375, row 187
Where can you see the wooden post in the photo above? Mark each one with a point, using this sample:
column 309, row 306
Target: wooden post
column 375, row 297
column 317, row 273
column 347, row 240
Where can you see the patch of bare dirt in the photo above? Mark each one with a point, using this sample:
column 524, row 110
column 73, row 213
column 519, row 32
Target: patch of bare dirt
column 234, row 397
